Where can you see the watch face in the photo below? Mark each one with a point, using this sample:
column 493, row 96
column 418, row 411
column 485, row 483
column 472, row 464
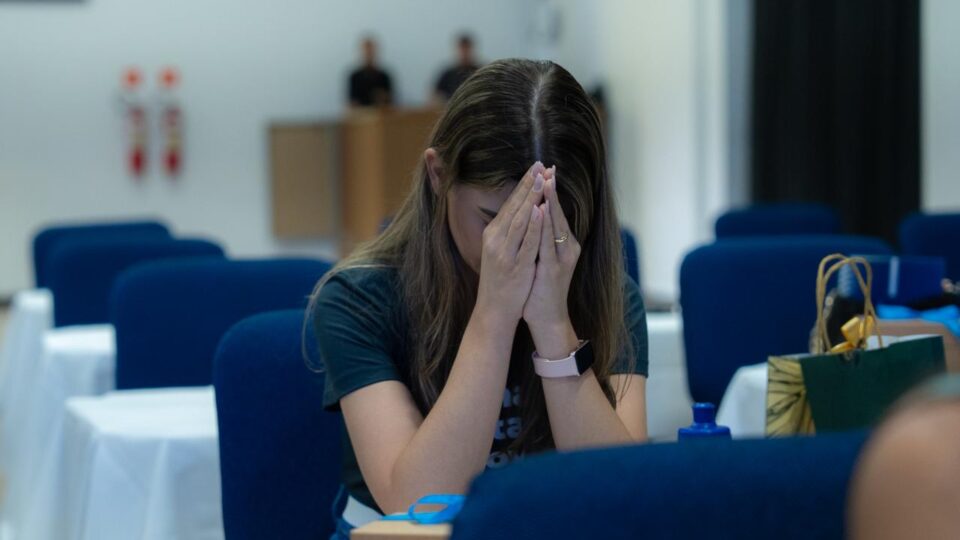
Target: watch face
column 584, row 357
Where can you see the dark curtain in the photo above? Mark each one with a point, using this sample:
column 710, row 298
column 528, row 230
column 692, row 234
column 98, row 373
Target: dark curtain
column 836, row 108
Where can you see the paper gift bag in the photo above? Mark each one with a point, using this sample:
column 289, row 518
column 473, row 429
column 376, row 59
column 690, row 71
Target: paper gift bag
column 846, row 386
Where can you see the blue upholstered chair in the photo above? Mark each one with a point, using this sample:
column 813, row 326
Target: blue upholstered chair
column 45, row 240
column 768, row 488
column 170, row 315
column 279, row 451
column 81, row 270
column 935, row 235
column 631, row 254
column 778, row 219
column 745, row 299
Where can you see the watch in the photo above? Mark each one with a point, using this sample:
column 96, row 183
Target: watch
column 574, row 365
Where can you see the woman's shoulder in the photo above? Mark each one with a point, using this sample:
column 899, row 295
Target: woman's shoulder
column 373, row 275
column 372, row 287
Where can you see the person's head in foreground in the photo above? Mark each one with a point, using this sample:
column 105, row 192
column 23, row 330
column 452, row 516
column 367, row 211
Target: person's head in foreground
column 907, row 483
column 508, row 246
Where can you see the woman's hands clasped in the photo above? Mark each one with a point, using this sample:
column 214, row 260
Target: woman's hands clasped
column 510, row 246
column 529, row 256
column 545, row 310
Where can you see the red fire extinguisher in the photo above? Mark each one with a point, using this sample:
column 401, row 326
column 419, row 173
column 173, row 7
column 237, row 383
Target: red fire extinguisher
column 136, row 120
column 171, row 121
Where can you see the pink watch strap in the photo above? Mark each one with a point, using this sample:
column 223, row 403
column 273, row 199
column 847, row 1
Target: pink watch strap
column 552, row 369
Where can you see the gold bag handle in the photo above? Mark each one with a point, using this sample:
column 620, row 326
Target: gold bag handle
column 837, row 261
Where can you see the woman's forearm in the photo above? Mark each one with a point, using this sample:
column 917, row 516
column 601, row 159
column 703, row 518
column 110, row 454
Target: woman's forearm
column 580, row 415
column 452, row 444
column 579, row 412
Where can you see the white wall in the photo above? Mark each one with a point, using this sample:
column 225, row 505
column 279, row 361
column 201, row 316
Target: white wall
column 664, row 67
column 675, row 73
column 940, row 87
column 244, row 63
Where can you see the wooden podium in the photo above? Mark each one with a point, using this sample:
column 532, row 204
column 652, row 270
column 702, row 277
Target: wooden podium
column 341, row 179
column 381, row 150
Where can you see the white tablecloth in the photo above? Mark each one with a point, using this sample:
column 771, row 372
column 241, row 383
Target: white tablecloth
column 31, row 314
column 744, row 405
column 145, row 464
column 76, row 361
column 140, row 464
column 668, row 399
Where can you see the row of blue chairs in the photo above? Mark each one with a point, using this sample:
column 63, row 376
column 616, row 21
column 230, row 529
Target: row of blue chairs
column 79, row 263
column 742, row 300
column 169, row 300
column 745, row 299
column 280, row 468
column 930, row 235
column 200, row 319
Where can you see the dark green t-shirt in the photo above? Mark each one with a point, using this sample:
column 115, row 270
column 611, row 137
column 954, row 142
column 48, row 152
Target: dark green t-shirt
column 363, row 338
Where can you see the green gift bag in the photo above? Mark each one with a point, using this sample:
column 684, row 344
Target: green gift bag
column 846, row 386
column 853, row 389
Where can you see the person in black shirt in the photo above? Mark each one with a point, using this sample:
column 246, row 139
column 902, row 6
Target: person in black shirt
column 453, row 76
column 370, row 85
column 492, row 319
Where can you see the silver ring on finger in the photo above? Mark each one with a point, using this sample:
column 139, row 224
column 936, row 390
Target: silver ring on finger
column 563, row 238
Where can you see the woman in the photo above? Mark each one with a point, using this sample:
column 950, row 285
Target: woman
column 464, row 323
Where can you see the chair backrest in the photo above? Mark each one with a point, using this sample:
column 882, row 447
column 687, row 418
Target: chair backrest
column 47, row 238
column 933, row 235
column 745, row 299
column 768, row 488
column 82, row 270
column 631, row 254
column 778, row 219
column 279, row 451
column 170, row 315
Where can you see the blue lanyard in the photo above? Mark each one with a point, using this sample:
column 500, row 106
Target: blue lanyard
column 453, row 505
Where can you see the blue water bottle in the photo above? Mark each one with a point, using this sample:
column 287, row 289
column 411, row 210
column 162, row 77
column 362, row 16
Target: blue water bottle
column 704, row 424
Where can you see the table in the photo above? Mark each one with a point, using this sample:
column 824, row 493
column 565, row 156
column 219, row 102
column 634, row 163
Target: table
column 141, row 464
column 75, row 361
column 744, row 405
column 145, row 463
column 401, row 530
column 668, row 399
column 31, row 314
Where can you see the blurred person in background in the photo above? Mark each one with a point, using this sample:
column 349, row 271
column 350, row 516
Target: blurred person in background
column 453, row 76
column 369, row 84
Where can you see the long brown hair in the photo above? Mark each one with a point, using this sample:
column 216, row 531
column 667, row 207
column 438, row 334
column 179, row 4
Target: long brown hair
column 507, row 115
